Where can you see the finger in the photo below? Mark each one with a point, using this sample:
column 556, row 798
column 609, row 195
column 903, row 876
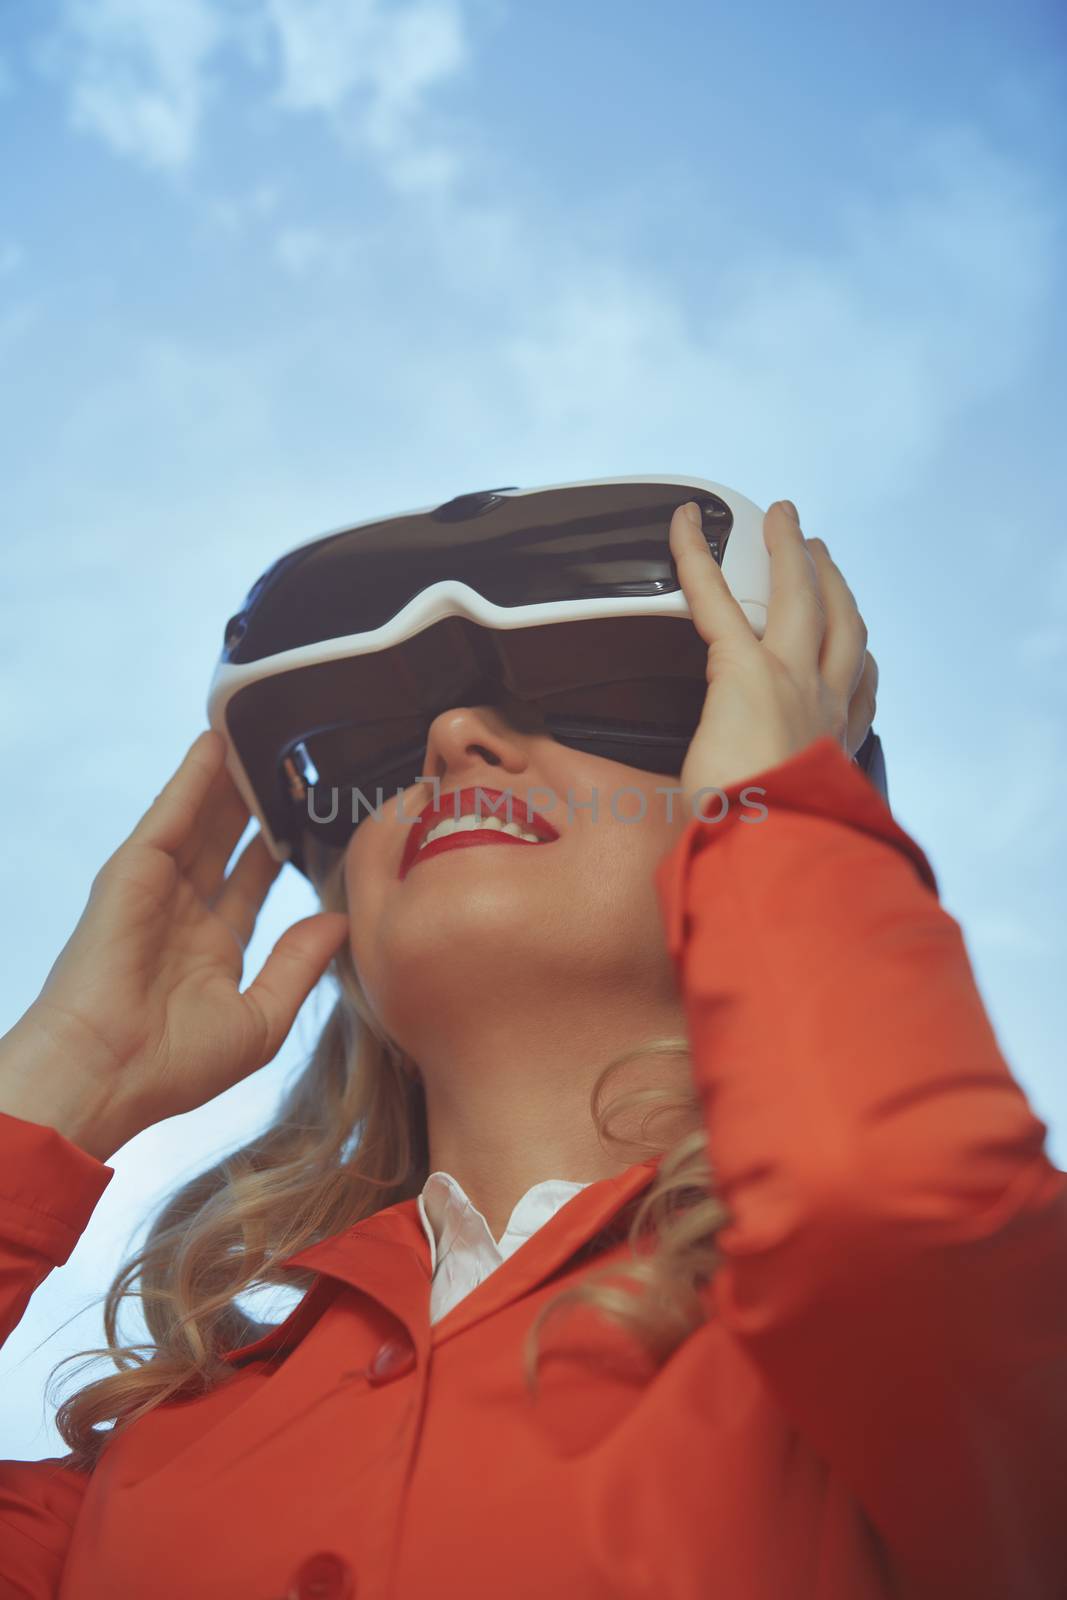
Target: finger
column 716, row 614
column 222, row 819
column 171, row 818
column 796, row 615
column 845, row 639
column 241, row 898
column 289, row 974
column 863, row 705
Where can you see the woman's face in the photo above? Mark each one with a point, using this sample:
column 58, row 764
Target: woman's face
column 471, row 927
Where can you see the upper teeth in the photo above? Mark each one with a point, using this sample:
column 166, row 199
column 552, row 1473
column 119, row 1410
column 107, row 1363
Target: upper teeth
column 467, row 824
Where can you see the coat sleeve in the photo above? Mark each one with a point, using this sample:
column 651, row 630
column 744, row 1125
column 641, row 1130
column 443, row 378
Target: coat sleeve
column 49, row 1188
column 895, row 1255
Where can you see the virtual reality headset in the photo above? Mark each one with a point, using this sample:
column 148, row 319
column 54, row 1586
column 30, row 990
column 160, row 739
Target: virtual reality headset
column 565, row 598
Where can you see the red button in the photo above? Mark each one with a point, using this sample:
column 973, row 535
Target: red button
column 394, row 1358
column 324, row 1576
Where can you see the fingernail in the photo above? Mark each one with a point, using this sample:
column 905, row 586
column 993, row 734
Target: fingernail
column 692, row 511
column 787, row 505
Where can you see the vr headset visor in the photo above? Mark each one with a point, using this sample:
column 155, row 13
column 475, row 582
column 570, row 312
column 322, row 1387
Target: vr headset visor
column 564, row 599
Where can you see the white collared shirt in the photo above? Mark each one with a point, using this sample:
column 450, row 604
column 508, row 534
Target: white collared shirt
column 463, row 1251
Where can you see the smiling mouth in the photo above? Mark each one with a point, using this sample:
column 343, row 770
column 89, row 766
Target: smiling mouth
column 467, row 826
column 467, row 838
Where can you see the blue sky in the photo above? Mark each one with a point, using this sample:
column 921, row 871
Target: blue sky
column 268, row 267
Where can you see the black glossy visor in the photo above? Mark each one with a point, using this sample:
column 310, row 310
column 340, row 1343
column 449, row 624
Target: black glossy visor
column 321, row 741
column 576, row 543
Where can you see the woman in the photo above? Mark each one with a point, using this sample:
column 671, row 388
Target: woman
column 815, row 1340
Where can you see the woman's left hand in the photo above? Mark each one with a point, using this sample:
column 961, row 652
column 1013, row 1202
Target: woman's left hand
column 811, row 674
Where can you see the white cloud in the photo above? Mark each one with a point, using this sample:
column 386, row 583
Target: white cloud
column 137, row 73
column 235, row 213
column 300, row 248
column 331, row 48
column 370, row 68
column 879, row 342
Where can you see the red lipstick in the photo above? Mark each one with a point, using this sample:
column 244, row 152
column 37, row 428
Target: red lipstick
column 467, row 803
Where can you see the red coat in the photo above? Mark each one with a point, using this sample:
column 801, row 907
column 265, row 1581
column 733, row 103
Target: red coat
column 877, row 1407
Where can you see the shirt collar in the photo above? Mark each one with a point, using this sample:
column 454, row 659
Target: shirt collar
column 386, row 1257
column 451, row 1220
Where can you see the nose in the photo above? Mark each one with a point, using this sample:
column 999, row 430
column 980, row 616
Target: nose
column 466, row 740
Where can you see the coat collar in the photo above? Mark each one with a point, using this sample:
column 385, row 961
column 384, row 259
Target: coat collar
column 387, row 1257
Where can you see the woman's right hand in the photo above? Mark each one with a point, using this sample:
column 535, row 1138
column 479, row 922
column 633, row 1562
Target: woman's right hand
column 143, row 999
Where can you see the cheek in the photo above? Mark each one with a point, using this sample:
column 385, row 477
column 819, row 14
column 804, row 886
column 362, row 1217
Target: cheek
column 647, row 823
column 638, row 849
column 365, row 892
column 620, row 858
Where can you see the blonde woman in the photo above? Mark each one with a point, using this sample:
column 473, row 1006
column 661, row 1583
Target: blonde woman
column 782, row 1315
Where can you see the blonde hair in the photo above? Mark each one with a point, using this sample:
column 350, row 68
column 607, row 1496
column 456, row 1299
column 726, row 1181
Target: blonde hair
column 220, row 1235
